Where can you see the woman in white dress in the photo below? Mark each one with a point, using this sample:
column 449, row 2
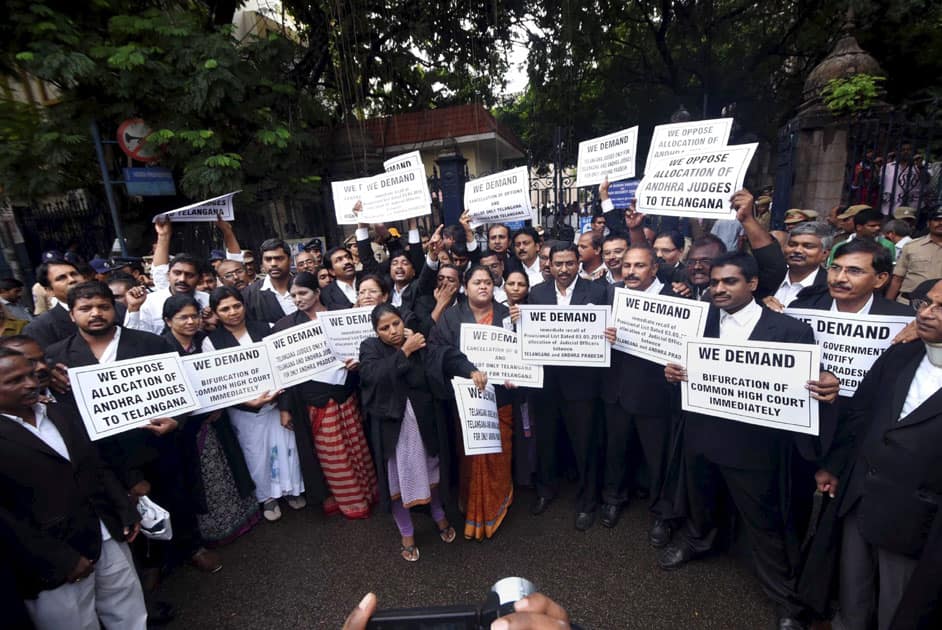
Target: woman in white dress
column 269, row 448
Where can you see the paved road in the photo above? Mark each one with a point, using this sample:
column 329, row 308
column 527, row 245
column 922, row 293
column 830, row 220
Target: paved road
column 308, row 571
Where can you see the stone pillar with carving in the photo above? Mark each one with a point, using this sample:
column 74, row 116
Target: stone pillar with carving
column 820, row 149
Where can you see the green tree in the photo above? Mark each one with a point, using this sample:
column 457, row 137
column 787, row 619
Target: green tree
column 386, row 56
column 603, row 65
column 225, row 116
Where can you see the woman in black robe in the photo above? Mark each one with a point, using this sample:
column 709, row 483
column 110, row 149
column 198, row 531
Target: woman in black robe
column 486, row 484
column 407, row 431
column 214, row 471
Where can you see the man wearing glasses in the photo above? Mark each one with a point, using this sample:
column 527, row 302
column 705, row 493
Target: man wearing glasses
column 860, row 269
column 884, row 473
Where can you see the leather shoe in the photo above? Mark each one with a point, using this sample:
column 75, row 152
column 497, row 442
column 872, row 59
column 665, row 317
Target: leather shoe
column 584, row 520
column 675, row 556
column 790, row 623
column 539, row 506
column 160, row 613
column 206, row 561
column 659, row 534
column 610, row 514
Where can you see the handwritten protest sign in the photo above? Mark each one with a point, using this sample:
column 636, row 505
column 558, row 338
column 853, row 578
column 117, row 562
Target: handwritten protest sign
column 346, row 194
column 345, row 330
column 206, row 210
column 611, row 156
column 300, row 354
column 656, row 327
column 499, row 198
column 695, row 184
column 677, row 138
column 477, row 410
column 760, row 383
column 850, row 343
column 116, row 397
column 497, row 353
column 565, row 335
column 230, row 376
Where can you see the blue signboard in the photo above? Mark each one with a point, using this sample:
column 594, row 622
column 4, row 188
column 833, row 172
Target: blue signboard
column 622, row 192
column 149, row 182
column 515, row 225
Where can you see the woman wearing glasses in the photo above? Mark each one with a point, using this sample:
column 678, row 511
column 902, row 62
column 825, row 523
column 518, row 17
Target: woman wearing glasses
column 214, row 468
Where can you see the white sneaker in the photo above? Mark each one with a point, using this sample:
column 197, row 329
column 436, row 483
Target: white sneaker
column 298, row 502
column 271, row 511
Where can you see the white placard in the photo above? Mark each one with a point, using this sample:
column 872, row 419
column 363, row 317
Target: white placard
column 497, row 352
column 206, row 210
column 677, row 138
column 755, row 382
column 345, row 330
column 477, row 411
column 230, row 376
column 499, row 198
column 695, row 184
column 573, row 336
column 656, row 327
column 412, row 159
column 850, row 343
column 300, row 354
column 120, row 396
column 346, row 194
column 611, row 156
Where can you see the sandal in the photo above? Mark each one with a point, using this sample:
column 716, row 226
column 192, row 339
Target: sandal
column 410, row 553
column 447, row 534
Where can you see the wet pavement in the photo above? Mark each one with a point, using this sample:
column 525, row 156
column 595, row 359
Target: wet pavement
column 309, row 570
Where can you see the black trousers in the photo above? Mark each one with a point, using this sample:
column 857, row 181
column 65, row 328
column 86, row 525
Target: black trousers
column 757, row 497
column 653, row 434
column 577, row 419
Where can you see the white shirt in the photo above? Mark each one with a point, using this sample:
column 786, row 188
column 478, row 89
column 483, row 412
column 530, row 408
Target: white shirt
column 47, row 431
column 900, row 244
column 534, row 275
column 788, row 290
column 284, row 299
column 655, row 287
column 739, row 325
column 348, row 290
column 863, row 311
column 396, row 297
column 152, row 310
column 563, row 299
column 111, row 351
column 926, row 381
column 500, row 295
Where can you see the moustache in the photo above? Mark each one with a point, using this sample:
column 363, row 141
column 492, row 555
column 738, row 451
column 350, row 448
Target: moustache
column 632, row 277
column 838, row 285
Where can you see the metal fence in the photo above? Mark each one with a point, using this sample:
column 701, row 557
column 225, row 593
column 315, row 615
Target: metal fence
column 895, row 159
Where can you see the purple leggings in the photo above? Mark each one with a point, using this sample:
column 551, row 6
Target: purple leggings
column 404, row 519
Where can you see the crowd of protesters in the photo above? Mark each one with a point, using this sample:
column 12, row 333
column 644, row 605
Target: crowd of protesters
column 845, row 522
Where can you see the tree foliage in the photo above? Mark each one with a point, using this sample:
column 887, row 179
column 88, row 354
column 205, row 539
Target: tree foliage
column 603, row 65
column 222, row 114
column 386, row 56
